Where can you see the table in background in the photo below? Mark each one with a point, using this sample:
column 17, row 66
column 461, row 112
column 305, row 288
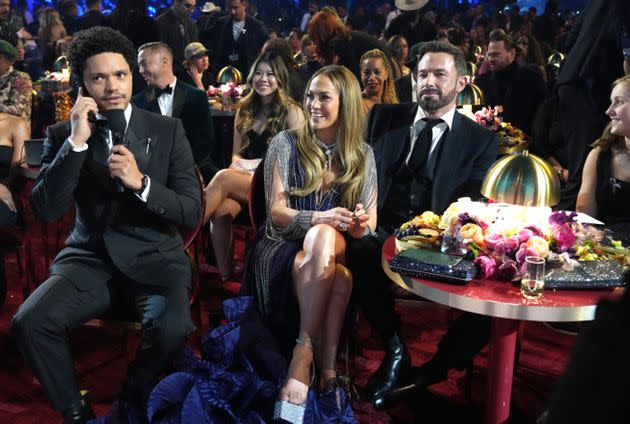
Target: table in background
column 503, row 302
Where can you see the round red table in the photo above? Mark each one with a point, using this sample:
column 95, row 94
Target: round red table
column 504, row 303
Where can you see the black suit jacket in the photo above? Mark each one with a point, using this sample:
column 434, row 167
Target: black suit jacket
column 518, row 89
column 140, row 238
column 190, row 105
column 220, row 41
column 460, row 164
column 169, row 32
column 403, row 89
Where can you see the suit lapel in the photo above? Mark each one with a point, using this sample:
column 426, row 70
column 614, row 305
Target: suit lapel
column 137, row 141
column 179, row 98
column 151, row 99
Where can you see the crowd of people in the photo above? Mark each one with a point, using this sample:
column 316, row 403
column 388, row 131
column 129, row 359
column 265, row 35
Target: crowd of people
column 349, row 117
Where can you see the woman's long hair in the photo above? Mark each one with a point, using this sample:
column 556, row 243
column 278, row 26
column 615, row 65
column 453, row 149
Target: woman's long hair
column 389, row 90
column 350, row 151
column 47, row 20
column 608, row 139
column 251, row 104
column 327, row 30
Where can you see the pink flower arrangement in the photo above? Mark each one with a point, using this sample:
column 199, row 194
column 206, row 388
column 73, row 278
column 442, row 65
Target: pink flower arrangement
column 489, row 117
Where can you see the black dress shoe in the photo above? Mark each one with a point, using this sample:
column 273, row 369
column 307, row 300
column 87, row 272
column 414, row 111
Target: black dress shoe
column 393, row 370
column 422, row 377
column 79, row 412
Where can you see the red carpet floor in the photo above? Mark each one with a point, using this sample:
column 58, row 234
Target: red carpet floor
column 100, row 367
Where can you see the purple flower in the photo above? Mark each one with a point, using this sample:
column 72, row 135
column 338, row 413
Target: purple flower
column 524, row 252
column 486, row 266
column 534, row 229
column 492, row 240
column 465, row 218
column 562, row 217
column 564, row 237
column 508, row 270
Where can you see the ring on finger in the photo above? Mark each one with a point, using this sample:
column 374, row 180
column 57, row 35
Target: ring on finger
column 342, row 226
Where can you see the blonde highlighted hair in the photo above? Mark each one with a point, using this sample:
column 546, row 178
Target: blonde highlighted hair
column 389, row 91
column 350, row 152
column 608, row 139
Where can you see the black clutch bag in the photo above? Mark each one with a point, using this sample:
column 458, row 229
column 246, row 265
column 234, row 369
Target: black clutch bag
column 431, row 265
column 589, row 275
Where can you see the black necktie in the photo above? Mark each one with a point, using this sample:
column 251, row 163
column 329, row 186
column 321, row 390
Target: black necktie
column 423, row 144
column 166, row 90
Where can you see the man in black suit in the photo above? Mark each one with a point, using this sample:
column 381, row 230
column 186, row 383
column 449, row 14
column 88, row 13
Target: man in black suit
column 427, row 156
column 236, row 39
column 520, row 90
column 167, row 95
column 177, row 29
column 125, row 249
column 406, row 86
column 92, row 17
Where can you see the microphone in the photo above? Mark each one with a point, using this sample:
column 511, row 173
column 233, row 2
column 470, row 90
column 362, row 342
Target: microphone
column 117, row 124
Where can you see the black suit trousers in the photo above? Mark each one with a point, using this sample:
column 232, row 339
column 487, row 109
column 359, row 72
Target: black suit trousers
column 42, row 324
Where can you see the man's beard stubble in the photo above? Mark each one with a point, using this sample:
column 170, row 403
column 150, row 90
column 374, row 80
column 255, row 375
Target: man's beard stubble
column 432, row 104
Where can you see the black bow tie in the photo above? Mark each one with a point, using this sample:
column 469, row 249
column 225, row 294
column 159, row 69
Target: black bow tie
column 166, row 90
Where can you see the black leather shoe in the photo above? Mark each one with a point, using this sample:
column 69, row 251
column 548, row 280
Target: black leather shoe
column 422, row 377
column 393, row 370
column 79, row 412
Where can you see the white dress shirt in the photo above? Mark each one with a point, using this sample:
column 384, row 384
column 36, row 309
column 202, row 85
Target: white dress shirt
column 165, row 101
column 145, row 194
column 436, row 132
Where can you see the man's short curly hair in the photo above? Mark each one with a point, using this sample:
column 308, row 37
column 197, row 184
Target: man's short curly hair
column 96, row 40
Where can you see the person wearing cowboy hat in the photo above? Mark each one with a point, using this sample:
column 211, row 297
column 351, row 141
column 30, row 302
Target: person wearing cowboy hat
column 210, row 12
column 196, row 64
column 411, row 23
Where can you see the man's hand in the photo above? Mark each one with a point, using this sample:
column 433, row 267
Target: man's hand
column 122, row 164
column 81, row 128
column 7, row 197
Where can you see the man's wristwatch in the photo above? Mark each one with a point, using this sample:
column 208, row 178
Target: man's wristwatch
column 144, row 183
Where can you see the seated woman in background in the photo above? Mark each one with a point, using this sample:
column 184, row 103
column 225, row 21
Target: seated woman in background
column 320, row 188
column 13, row 131
column 376, row 77
column 51, row 32
column 196, row 66
column 605, row 189
column 400, row 49
column 263, row 113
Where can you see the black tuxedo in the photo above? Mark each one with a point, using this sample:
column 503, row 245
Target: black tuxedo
column 220, row 40
column 457, row 167
column 121, row 249
column 190, row 105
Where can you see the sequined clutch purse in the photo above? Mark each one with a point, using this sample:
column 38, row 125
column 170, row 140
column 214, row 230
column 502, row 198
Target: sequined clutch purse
column 431, row 265
column 589, row 275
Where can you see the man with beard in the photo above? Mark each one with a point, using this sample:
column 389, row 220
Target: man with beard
column 427, row 156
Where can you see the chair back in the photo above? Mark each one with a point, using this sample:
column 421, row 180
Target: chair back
column 34, row 149
column 189, row 234
column 257, row 205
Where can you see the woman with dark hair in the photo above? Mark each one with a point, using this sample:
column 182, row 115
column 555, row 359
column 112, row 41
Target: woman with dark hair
column 296, row 83
column 605, row 189
column 262, row 114
column 400, row 49
column 531, row 54
column 376, row 77
column 336, row 44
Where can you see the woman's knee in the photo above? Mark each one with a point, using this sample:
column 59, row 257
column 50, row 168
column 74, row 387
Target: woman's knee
column 220, row 179
column 324, row 240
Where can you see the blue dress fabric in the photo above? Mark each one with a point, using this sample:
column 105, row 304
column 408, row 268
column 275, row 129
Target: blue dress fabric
column 224, row 385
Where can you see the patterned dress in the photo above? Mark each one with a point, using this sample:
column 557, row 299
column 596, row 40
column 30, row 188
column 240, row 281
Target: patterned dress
column 267, row 274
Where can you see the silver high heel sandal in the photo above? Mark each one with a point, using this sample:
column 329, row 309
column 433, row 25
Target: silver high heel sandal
column 290, row 412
